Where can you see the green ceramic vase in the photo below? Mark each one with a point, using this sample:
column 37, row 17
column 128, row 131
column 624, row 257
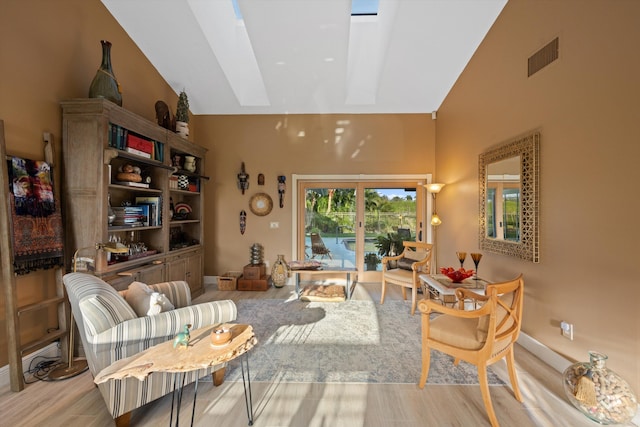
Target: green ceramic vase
column 104, row 84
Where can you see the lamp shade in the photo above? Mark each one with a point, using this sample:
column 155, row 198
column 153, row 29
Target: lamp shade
column 435, row 219
column 434, row 187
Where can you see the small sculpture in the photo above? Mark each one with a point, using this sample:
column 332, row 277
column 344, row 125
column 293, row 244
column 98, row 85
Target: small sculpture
column 182, row 115
column 163, row 115
column 182, row 339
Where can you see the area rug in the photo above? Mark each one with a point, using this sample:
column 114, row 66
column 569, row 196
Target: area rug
column 347, row 342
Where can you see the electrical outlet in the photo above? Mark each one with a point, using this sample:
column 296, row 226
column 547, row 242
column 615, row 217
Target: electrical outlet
column 567, row 330
column 274, row 225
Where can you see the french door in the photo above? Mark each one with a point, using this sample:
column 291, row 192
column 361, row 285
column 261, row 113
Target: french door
column 344, row 222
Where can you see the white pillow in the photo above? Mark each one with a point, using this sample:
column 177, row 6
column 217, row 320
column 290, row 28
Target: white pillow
column 146, row 302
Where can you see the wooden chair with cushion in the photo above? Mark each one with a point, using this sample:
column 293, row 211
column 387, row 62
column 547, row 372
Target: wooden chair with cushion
column 111, row 330
column 414, row 260
column 480, row 337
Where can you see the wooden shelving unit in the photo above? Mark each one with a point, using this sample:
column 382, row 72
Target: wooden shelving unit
column 92, row 158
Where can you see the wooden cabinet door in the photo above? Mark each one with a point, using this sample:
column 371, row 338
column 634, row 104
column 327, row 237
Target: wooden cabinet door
column 151, row 275
column 177, row 268
column 194, row 274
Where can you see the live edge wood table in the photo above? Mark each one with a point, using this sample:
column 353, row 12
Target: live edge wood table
column 199, row 354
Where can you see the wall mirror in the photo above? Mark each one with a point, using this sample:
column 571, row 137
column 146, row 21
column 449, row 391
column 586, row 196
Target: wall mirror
column 508, row 179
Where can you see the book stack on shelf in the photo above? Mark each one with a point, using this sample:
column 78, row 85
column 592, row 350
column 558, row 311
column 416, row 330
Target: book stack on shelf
column 132, row 216
column 155, row 208
column 122, row 139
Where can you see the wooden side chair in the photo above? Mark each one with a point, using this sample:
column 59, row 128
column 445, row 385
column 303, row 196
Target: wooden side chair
column 318, row 247
column 480, row 337
column 414, row 260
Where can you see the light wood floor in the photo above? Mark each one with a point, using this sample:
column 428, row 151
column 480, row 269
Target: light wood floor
column 76, row 402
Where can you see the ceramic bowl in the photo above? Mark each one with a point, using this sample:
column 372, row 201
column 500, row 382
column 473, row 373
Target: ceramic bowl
column 456, row 276
column 220, row 336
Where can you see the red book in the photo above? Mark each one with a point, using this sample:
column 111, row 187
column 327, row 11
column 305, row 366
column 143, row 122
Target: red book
column 138, row 143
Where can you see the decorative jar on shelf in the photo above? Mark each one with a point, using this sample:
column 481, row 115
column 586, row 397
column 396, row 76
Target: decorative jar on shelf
column 280, row 272
column 598, row 392
column 104, row 84
column 190, row 163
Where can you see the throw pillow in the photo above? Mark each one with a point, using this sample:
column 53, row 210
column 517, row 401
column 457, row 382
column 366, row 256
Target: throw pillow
column 405, row 263
column 146, row 302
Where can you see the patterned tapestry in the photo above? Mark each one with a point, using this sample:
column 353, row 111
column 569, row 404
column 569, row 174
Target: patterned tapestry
column 38, row 239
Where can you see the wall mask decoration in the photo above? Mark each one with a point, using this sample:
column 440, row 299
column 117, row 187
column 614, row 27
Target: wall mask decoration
column 243, row 221
column 282, row 187
column 243, row 179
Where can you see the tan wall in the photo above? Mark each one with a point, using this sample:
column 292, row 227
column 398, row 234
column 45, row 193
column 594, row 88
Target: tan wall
column 269, row 144
column 50, row 52
column 586, row 107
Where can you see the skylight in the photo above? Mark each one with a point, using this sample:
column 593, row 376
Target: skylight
column 364, row 7
column 358, row 8
column 236, row 9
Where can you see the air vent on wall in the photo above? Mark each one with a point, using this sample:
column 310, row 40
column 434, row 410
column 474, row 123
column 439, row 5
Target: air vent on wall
column 543, row 57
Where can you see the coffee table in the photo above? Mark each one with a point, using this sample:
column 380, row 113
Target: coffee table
column 199, row 354
column 441, row 288
column 328, row 271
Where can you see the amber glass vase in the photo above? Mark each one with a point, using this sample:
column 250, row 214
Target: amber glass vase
column 104, row 84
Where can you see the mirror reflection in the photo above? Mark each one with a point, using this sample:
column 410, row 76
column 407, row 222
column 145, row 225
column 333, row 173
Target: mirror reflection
column 503, row 208
column 509, row 187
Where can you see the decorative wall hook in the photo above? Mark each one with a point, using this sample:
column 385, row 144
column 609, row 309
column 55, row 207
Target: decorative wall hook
column 243, row 180
column 282, row 188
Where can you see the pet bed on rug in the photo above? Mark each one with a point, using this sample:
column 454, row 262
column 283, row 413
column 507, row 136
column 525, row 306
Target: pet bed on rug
column 323, row 293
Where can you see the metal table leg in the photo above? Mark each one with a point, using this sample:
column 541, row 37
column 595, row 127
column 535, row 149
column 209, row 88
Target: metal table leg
column 246, row 382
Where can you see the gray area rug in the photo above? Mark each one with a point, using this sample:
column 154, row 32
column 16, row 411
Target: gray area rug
column 341, row 342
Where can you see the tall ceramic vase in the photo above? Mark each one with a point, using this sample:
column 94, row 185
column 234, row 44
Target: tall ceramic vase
column 280, row 272
column 104, row 84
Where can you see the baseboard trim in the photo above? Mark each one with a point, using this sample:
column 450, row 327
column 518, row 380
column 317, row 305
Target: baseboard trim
column 544, row 353
column 555, row 360
column 210, row 280
column 49, row 351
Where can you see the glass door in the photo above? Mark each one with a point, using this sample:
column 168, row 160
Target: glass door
column 329, row 224
column 355, row 224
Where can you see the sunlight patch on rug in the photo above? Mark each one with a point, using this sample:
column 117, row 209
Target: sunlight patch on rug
column 343, row 342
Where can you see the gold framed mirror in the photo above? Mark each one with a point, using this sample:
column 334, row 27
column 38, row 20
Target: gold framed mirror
column 509, row 190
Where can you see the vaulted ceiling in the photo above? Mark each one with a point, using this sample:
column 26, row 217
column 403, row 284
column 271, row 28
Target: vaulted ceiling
column 308, row 56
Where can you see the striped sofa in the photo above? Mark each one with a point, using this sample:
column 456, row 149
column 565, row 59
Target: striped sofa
column 110, row 330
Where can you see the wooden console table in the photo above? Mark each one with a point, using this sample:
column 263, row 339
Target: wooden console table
column 200, row 354
column 332, row 270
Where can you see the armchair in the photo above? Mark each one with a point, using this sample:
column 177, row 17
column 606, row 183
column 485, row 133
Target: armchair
column 110, row 330
column 414, row 259
column 480, row 337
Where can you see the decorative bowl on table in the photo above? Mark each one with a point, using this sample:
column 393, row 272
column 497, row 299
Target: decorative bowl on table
column 456, row 276
column 220, row 337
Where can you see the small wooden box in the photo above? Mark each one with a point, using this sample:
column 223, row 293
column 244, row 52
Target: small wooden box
column 261, row 284
column 254, row 271
column 228, row 281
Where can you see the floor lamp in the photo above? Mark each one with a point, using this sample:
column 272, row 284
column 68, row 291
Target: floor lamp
column 73, row 367
column 76, row 367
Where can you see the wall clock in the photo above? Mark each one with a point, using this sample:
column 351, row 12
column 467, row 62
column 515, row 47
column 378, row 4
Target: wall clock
column 261, row 204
